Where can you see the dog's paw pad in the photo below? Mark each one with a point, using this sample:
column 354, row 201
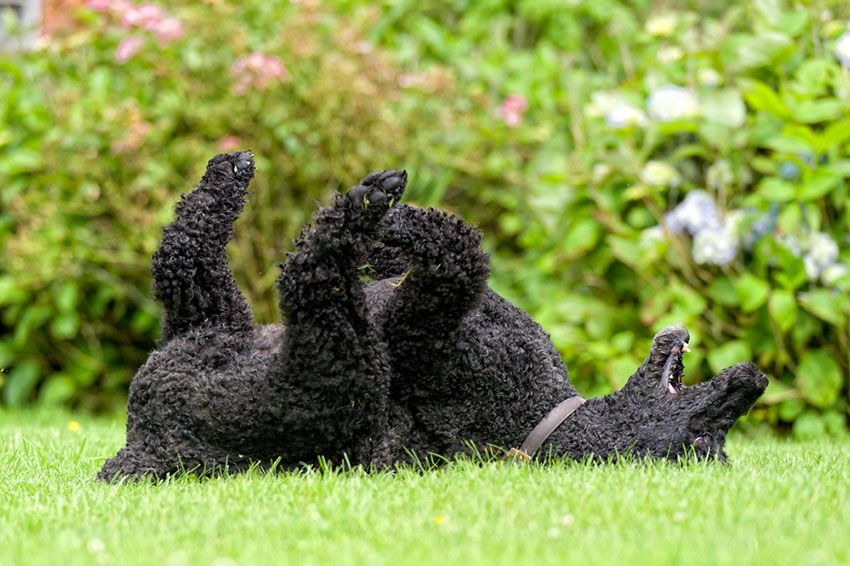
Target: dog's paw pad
column 391, row 182
column 357, row 194
column 234, row 165
column 364, row 197
column 241, row 160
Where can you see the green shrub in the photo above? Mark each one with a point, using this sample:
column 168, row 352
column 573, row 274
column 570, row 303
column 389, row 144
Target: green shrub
column 631, row 164
column 99, row 135
column 671, row 166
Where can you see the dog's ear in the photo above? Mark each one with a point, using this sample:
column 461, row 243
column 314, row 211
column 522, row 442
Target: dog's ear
column 670, row 340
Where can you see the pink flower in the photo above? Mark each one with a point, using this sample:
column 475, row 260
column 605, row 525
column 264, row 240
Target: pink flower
column 146, row 16
column 229, row 143
column 512, row 109
column 98, row 5
column 128, row 47
column 257, row 70
column 168, row 30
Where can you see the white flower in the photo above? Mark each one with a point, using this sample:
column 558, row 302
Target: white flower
column 698, row 212
column 818, row 251
column 719, row 175
column 841, row 48
column 669, row 54
column 602, row 102
column 717, row 246
column 662, row 25
column 659, row 173
column 833, row 273
column 670, row 103
column 823, row 248
column 601, row 172
column 624, row 115
column 652, row 236
column 813, row 270
column 708, row 77
column 791, row 242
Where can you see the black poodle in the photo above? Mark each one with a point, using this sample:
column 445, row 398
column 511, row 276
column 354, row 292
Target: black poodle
column 393, row 349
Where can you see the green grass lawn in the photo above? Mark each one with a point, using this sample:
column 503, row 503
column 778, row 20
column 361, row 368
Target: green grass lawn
column 778, row 503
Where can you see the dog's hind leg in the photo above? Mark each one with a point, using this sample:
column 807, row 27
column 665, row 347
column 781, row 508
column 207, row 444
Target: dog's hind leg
column 447, row 274
column 331, row 348
column 191, row 275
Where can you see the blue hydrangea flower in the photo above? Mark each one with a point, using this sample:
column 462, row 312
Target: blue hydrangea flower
column 817, row 250
column 789, row 171
column 717, row 247
column 696, row 213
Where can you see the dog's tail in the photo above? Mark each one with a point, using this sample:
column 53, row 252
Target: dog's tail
column 191, row 276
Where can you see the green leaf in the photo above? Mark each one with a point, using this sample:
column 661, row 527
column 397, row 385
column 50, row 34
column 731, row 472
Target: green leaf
column 819, row 378
column 834, row 134
column 817, row 186
column 66, row 297
column 10, row 292
column 783, row 309
column 728, row 354
column 7, row 354
column 839, row 167
column 21, row 380
column 790, row 409
column 20, row 161
column 809, row 426
column 761, row 97
column 788, row 144
column 627, row 251
column 793, row 22
column 58, row 390
column 724, row 106
column 814, row 76
column 815, row 111
column 826, row 305
column 775, row 189
column 836, row 424
column 721, row 290
column 769, row 10
column 751, row 291
column 763, row 49
column 581, row 238
column 65, row 326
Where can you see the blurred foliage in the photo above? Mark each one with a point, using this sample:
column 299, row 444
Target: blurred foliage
column 633, row 164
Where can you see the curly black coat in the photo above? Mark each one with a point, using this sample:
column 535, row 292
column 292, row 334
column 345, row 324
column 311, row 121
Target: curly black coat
column 424, row 359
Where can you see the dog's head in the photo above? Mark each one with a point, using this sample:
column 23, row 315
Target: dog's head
column 664, row 417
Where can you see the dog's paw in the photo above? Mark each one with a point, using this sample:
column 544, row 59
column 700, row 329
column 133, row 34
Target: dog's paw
column 236, row 165
column 377, row 192
column 391, row 182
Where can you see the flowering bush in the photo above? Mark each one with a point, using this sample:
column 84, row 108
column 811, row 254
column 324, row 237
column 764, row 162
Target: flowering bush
column 671, row 166
column 632, row 165
column 104, row 125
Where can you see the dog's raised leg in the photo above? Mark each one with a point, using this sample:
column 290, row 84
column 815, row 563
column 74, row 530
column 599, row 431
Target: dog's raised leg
column 191, row 277
column 447, row 275
column 331, row 349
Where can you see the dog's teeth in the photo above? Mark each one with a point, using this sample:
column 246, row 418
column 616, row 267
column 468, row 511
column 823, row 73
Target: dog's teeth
column 685, row 347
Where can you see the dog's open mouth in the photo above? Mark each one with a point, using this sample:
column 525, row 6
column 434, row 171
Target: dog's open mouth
column 674, row 368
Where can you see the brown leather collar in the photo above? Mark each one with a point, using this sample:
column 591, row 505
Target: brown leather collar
column 547, row 426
